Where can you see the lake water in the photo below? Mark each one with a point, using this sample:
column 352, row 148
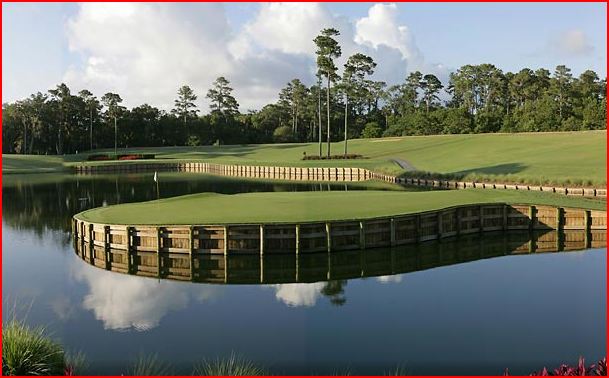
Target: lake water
column 472, row 306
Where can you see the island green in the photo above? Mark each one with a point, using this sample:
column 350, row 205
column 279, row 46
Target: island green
column 212, row 208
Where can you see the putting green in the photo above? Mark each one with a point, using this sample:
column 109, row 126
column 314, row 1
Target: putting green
column 212, row 208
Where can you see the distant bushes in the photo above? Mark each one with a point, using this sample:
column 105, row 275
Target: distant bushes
column 502, row 178
column 102, row 157
column 317, row 157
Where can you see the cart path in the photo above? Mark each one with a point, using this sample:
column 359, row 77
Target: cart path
column 405, row 165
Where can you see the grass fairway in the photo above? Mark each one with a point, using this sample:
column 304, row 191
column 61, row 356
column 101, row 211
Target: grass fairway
column 212, row 208
column 32, row 164
column 568, row 158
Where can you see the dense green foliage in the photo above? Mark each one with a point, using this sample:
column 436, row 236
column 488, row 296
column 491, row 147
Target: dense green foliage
column 213, row 208
column 29, row 351
column 478, row 99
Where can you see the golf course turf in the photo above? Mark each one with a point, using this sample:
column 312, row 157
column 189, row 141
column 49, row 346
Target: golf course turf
column 212, row 208
column 562, row 158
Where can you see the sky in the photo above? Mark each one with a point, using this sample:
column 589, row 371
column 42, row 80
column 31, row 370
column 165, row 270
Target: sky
column 146, row 51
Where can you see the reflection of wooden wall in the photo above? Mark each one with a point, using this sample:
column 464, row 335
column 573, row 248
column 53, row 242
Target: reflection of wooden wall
column 313, row 267
column 340, row 235
column 321, row 174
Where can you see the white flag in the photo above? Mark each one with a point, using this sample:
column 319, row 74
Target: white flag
column 154, row 176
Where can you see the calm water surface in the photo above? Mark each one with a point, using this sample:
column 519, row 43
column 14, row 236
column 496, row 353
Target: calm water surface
column 450, row 308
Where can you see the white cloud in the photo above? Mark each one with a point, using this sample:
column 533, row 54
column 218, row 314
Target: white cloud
column 397, row 278
column 570, row 43
column 286, row 27
column 299, row 294
column 146, row 51
column 381, row 27
column 125, row 302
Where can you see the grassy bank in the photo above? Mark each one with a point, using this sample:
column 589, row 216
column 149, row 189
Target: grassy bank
column 33, row 164
column 569, row 158
column 212, row 208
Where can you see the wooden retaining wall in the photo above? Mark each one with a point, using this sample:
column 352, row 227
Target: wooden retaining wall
column 322, row 174
column 246, row 171
column 314, row 267
column 260, row 239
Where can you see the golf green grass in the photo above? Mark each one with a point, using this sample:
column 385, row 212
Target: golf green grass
column 566, row 158
column 212, row 208
column 32, row 164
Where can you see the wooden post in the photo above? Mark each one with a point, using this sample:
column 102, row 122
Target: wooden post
column 440, row 231
column 261, row 269
column 458, row 221
column 559, row 212
column 560, row 242
column 297, row 270
column 261, row 241
column 362, row 262
column 481, row 218
column 225, row 240
column 418, row 228
column 362, row 236
column 532, row 243
column 297, row 231
column 159, row 247
column 192, row 267
column 531, row 217
column 82, row 238
column 392, row 228
column 225, row 268
column 128, row 245
column 329, row 273
column 91, row 244
column 191, row 240
column 505, row 218
column 588, row 228
column 107, row 247
column 328, row 237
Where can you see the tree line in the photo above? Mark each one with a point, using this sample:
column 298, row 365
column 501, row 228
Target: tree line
column 478, row 99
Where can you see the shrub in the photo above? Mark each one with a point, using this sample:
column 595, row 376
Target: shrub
column 372, row 130
column 317, row 157
column 232, row 366
column 579, row 370
column 149, row 366
column 98, row 157
column 28, row 351
column 283, row 134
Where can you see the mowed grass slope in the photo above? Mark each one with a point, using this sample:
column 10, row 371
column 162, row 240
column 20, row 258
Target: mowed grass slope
column 212, row 208
column 568, row 158
column 32, row 164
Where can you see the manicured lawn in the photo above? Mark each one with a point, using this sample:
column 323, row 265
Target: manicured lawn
column 32, row 164
column 569, row 158
column 212, row 208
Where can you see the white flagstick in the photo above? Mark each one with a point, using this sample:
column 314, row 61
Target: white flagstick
column 158, row 197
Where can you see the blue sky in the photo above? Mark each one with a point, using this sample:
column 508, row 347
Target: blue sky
column 146, row 51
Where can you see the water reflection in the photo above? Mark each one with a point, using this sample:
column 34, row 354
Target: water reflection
column 299, row 295
column 314, row 267
column 125, row 301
